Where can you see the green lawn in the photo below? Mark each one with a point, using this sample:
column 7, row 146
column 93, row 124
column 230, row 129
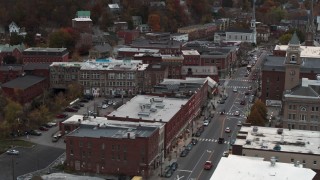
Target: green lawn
column 6, row 144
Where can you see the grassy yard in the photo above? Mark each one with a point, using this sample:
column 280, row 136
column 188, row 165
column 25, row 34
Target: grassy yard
column 6, row 144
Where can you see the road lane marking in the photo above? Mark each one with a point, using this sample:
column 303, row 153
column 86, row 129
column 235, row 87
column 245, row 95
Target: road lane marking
column 196, row 165
column 184, row 170
column 202, row 168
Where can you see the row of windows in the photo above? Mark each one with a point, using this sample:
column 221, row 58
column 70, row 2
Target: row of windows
column 304, row 117
column 116, row 84
column 303, row 108
column 236, row 37
column 303, row 127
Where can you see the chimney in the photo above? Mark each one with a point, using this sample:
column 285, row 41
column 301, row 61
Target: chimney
column 273, row 161
column 128, row 135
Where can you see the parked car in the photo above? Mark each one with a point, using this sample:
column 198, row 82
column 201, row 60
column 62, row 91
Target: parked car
column 194, row 141
column 110, row 102
column 76, row 107
column 104, row 106
column 61, row 116
column 43, row 128
column 208, row 165
column 198, row 134
column 184, row 153
column 242, row 102
column 12, row 152
column 84, row 100
column 201, row 129
column 81, row 105
column 189, row 147
column 225, row 97
column 239, row 123
column 47, row 125
column 55, row 139
column 227, row 130
column 174, row 166
column 221, row 101
column 69, row 109
column 247, row 93
column 35, row 133
column 235, row 89
column 168, row 173
column 52, row 123
column 205, row 122
column 225, row 154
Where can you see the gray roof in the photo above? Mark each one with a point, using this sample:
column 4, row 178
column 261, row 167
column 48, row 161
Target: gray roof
column 23, row 82
column 294, row 40
column 240, row 30
column 311, row 91
column 33, row 66
column 276, row 63
column 145, row 43
column 14, row 67
column 103, row 48
column 112, row 132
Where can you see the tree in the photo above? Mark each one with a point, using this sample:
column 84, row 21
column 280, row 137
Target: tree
column 64, row 37
column 285, row 38
column 40, row 115
column 75, row 90
column 12, row 113
column 60, row 101
column 15, row 39
column 255, row 118
column 261, row 108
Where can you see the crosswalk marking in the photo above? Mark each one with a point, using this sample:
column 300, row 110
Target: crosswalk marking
column 211, row 140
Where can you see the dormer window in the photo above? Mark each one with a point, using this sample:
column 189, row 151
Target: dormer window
column 293, row 59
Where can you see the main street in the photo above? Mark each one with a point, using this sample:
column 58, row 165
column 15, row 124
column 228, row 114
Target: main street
column 208, row 149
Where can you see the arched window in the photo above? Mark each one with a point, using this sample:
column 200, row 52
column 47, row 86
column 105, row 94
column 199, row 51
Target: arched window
column 293, row 58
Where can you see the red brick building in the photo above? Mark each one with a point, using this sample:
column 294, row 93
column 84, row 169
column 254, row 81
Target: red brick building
column 8, row 50
column 44, row 55
column 82, row 23
column 131, row 52
column 8, row 73
column 24, row 89
column 170, row 47
column 128, row 35
column 103, row 149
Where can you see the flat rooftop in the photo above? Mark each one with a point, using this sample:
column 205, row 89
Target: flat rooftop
column 106, row 64
column 265, row 138
column 138, row 50
column 306, row 51
column 190, row 52
column 40, row 49
column 152, row 108
column 253, row 168
column 101, row 127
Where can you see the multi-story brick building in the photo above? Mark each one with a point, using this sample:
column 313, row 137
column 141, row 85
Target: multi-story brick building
column 170, row 47
column 124, row 53
column 24, row 89
column 286, row 145
column 105, row 146
column 107, row 76
column 44, row 55
column 82, row 22
column 285, row 69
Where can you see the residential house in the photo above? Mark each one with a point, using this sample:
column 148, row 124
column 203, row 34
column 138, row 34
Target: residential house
column 8, row 50
column 136, row 21
column 14, row 28
column 118, row 26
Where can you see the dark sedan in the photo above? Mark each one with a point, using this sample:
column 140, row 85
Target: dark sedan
column 184, row 153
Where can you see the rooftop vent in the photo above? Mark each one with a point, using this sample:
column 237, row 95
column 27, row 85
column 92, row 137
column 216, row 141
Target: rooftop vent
column 160, row 106
column 153, row 109
column 157, row 99
column 248, row 142
column 255, row 129
column 273, row 161
column 280, row 131
column 277, row 147
column 145, row 114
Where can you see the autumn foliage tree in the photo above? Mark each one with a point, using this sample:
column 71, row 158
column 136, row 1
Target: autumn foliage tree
column 258, row 114
column 64, row 37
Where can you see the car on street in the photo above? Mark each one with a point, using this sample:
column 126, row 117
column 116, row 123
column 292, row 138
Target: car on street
column 52, row 124
column 239, row 123
column 247, row 93
column 35, row 133
column 184, row 153
column 81, row 105
column 189, row 147
column 198, row 134
column 104, row 106
column 174, row 166
column 43, row 128
column 242, row 102
column 227, row 130
column 12, row 152
column 76, row 107
column 168, row 173
column 205, row 122
column 110, row 102
column 70, row 109
column 235, row 89
column 208, row 165
column 221, row 101
column 237, row 113
column 220, row 140
column 61, row 116
column 194, row 141
column 225, row 97
column 84, row 100
column 225, row 154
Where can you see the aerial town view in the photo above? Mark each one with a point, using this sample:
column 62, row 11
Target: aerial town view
column 160, row 90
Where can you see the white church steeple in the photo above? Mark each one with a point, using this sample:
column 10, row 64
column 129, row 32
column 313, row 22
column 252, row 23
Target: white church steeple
column 253, row 23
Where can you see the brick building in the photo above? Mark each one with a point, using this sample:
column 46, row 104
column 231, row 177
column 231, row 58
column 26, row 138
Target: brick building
column 154, row 74
column 128, row 35
column 117, row 148
column 285, row 69
column 124, row 53
column 44, row 55
column 24, row 89
column 8, row 50
column 82, row 23
column 8, row 73
column 170, row 47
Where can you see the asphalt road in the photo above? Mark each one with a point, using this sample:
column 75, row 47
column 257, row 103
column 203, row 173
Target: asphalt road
column 29, row 160
column 191, row 167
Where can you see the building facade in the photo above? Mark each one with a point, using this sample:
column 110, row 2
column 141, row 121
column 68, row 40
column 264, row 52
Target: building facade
column 44, row 55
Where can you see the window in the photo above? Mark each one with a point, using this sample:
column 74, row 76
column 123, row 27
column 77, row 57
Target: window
column 291, row 116
column 293, row 59
column 292, row 160
column 89, row 144
column 112, row 156
column 112, row 147
column 71, row 152
column 125, row 156
column 314, row 108
column 102, row 146
column 278, row 78
column 303, row 117
column 303, row 108
column 314, row 162
column 124, row 148
column 118, row 156
column 80, row 144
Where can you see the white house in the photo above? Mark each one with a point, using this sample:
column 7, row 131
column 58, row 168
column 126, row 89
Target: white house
column 14, row 28
column 182, row 37
column 240, row 35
